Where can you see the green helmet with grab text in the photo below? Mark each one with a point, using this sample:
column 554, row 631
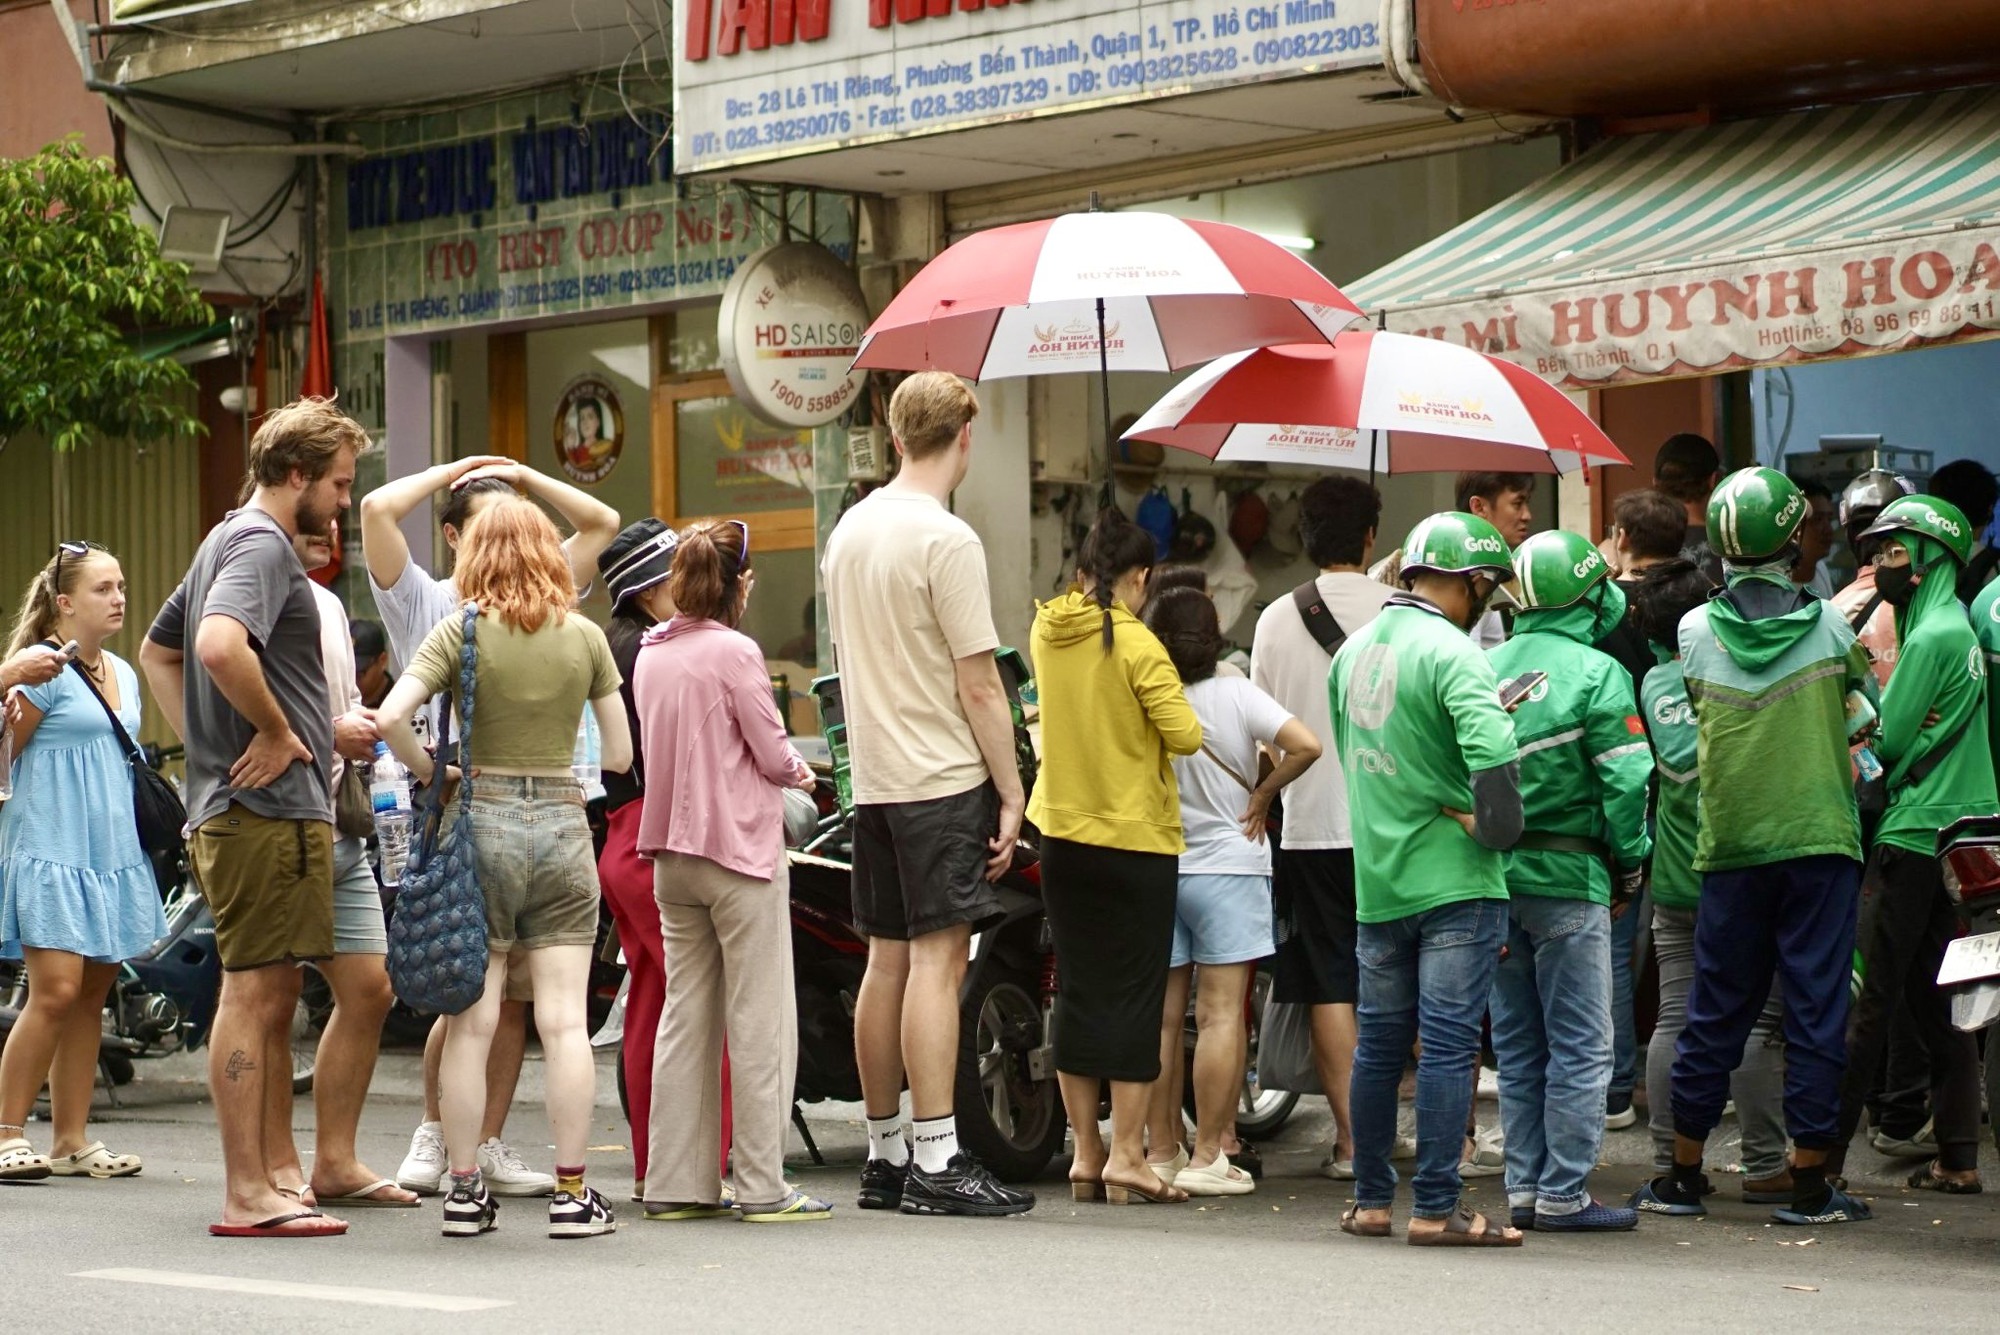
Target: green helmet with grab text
column 1456, row 543
column 1556, row 569
column 1938, row 520
column 1754, row 514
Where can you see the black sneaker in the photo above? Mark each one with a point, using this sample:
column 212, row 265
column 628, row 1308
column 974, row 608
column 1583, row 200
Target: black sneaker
column 583, row 1216
column 882, row 1184
column 467, row 1214
column 964, row 1187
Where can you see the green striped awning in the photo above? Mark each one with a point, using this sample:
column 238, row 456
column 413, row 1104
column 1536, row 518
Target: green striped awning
column 1826, row 233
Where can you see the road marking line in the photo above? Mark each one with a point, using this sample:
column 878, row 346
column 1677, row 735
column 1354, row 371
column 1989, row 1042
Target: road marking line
column 279, row 1288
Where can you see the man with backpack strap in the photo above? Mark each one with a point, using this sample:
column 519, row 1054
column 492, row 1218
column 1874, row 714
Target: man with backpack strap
column 1313, row 876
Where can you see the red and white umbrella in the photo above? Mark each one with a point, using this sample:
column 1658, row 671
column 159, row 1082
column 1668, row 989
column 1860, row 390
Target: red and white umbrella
column 1165, row 293
column 1441, row 407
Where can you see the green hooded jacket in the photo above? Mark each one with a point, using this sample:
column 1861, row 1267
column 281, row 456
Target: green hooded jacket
column 1986, row 626
column 1939, row 668
column 1585, row 763
column 1677, row 810
column 1768, row 670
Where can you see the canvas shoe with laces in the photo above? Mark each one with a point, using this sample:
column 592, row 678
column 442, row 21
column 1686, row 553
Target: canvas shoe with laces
column 423, row 1167
column 469, row 1213
column 963, row 1186
column 583, row 1216
column 508, row 1175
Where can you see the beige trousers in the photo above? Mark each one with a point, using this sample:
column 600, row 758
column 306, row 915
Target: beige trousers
column 729, row 972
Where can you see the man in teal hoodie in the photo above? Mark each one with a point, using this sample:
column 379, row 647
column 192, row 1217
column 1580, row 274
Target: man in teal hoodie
column 1585, row 767
column 1769, row 669
column 1933, row 744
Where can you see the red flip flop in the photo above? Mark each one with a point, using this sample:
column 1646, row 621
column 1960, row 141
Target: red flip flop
column 293, row 1225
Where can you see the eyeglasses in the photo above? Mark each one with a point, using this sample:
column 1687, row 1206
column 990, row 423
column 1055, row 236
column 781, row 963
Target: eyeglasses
column 77, row 547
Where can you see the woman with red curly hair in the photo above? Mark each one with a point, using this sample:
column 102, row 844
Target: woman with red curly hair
column 537, row 667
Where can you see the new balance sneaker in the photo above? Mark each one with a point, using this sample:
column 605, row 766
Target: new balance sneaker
column 467, row 1214
column 583, row 1216
column 423, row 1167
column 882, row 1184
column 964, row 1186
column 506, row 1173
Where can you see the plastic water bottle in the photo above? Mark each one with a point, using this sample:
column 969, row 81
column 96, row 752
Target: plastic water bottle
column 583, row 759
column 1869, row 765
column 389, row 791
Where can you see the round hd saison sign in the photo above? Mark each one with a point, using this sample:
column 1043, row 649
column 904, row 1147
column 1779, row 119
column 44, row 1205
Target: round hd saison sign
column 589, row 429
column 790, row 324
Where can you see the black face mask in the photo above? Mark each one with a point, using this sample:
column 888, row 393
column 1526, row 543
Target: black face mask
column 1896, row 584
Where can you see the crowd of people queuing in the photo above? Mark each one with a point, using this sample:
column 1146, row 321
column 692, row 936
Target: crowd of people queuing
column 1452, row 787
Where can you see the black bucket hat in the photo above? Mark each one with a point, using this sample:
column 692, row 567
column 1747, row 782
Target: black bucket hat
column 641, row 556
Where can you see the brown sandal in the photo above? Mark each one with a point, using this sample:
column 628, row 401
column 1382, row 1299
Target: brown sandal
column 1092, row 1189
column 1352, row 1222
column 1458, row 1232
column 1127, row 1193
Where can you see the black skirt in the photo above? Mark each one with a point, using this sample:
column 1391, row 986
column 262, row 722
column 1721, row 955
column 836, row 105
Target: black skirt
column 1111, row 913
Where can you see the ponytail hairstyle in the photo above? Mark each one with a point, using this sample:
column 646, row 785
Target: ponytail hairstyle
column 39, row 614
column 1186, row 623
column 709, row 566
column 1113, row 549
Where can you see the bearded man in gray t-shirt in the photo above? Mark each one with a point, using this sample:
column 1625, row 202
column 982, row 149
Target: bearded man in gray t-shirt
column 234, row 662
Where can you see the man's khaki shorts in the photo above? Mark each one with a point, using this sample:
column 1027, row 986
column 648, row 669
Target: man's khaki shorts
column 269, row 886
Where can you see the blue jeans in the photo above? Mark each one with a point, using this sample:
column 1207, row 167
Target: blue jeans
column 1422, row 977
column 1624, row 1023
column 1552, row 1034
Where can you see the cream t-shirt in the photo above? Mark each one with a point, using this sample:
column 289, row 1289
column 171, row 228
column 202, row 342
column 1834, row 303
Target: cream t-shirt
column 906, row 595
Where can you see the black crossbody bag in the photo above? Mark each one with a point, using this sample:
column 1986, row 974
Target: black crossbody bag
column 156, row 807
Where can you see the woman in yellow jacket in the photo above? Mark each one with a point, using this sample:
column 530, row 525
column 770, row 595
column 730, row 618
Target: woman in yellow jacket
column 1113, row 712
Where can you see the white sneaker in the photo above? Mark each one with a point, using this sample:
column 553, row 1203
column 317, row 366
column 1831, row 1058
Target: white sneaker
column 507, row 1175
column 1404, row 1148
column 423, row 1168
column 1489, row 1155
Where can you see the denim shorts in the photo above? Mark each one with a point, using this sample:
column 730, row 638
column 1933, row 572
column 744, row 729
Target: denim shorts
column 537, row 866
column 1222, row 919
column 358, row 925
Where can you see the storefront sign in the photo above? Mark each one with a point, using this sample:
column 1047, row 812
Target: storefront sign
column 1838, row 303
column 542, row 205
column 756, row 80
column 589, row 429
column 789, row 326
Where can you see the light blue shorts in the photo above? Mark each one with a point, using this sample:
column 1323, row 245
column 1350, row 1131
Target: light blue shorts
column 358, row 925
column 1222, row 919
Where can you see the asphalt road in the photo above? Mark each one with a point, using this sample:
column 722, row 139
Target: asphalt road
column 85, row 1256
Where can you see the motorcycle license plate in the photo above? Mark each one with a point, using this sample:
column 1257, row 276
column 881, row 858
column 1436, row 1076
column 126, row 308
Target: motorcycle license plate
column 1970, row 957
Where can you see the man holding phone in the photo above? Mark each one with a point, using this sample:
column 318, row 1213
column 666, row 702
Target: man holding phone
column 1585, row 766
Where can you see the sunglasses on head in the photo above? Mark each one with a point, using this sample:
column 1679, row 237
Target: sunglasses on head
column 76, row 547
column 743, row 548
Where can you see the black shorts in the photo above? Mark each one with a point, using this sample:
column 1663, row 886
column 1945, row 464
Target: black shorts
column 920, row 867
column 1313, row 890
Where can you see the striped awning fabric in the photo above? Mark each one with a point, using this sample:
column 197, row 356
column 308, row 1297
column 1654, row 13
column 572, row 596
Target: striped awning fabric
column 1829, row 233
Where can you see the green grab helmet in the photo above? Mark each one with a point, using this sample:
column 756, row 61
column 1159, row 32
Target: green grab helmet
column 1456, row 543
column 1754, row 514
column 1557, row 569
column 1939, row 520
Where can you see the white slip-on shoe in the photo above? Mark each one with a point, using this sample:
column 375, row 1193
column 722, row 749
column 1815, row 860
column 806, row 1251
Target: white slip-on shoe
column 507, row 1174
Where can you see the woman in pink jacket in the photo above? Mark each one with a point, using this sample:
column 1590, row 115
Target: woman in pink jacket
column 716, row 760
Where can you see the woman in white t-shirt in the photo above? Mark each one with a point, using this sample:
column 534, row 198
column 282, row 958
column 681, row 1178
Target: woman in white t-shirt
column 1223, row 910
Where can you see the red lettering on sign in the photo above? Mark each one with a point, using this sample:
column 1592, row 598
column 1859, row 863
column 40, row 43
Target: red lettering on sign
column 1985, row 268
column 1576, row 321
column 1677, row 299
column 1875, row 281
column 741, row 23
column 1787, row 293
column 1614, row 314
column 1923, row 287
column 1729, row 297
column 694, row 41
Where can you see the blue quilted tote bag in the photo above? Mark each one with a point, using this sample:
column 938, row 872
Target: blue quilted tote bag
column 437, row 939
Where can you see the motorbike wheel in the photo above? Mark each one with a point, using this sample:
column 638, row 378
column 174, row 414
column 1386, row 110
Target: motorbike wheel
column 309, row 1018
column 1259, row 1111
column 1993, row 1082
column 118, row 1067
column 1006, row 1119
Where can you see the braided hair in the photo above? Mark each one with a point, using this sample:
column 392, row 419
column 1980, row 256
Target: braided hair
column 1114, row 547
column 1185, row 621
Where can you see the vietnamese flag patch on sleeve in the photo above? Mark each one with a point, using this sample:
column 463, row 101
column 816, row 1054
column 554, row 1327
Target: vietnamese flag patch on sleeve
column 1633, row 725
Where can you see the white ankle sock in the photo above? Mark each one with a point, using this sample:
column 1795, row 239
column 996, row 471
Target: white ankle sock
column 885, row 1139
column 936, row 1142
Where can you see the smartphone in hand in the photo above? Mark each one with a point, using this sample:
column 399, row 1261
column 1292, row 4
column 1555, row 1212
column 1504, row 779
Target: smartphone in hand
column 1512, row 693
column 69, row 651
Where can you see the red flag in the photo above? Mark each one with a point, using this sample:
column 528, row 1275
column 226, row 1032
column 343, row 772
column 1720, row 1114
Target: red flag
column 316, row 381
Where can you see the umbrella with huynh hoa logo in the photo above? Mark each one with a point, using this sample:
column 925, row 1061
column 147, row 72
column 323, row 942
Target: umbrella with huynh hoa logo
column 1102, row 292
column 1443, row 408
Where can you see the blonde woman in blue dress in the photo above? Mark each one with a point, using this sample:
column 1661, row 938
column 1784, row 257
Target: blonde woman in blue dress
column 77, row 894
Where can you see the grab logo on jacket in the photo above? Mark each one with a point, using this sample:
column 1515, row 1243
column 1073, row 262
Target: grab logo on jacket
column 1371, row 688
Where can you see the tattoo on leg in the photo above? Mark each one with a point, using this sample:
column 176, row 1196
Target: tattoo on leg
column 239, row 1062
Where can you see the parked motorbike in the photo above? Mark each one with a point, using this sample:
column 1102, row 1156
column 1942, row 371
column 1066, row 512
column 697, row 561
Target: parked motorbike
column 1259, row 1111
column 1969, row 855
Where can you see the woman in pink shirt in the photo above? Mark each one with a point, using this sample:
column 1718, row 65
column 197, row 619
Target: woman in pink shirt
column 716, row 761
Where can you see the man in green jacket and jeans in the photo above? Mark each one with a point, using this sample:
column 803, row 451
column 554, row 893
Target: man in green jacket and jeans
column 1769, row 669
column 1585, row 767
column 1939, row 764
